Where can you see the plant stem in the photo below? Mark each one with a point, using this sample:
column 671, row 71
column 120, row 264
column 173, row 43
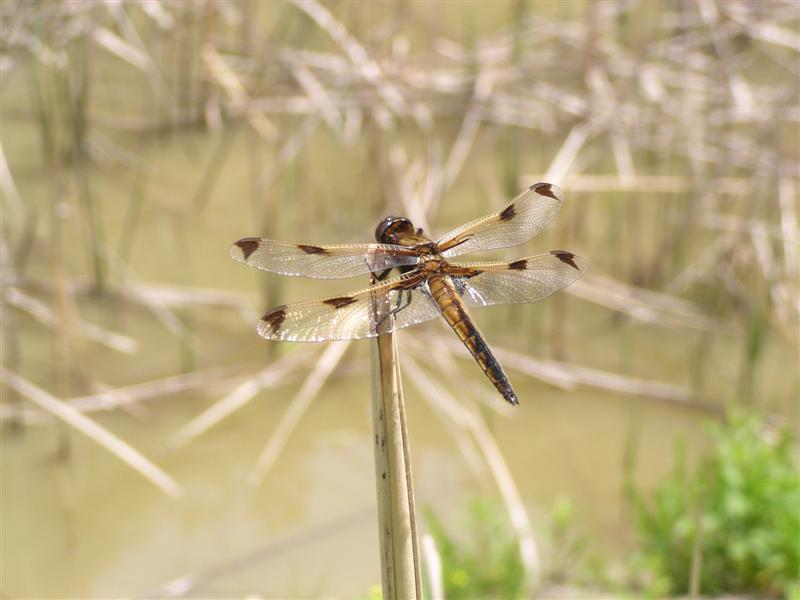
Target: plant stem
column 697, row 555
column 397, row 530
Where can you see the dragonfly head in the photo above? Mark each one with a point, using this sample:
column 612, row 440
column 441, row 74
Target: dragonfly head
column 392, row 229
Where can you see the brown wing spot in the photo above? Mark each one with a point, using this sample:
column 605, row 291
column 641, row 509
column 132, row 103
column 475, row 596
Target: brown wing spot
column 566, row 257
column 340, row 302
column 247, row 246
column 544, row 189
column 519, row 265
column 312, row 249
column 509, row 212
column 274, row 318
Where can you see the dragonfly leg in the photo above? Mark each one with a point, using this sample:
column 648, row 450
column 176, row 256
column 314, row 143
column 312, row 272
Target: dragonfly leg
column 377, row 276
column 399, row 305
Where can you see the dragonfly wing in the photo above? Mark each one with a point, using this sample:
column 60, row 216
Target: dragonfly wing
column 362, row 314
column 524, row 280
column 523, row 218
column 320, row 262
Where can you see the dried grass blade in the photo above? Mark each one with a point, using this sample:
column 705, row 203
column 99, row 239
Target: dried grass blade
column 452, row 418
column 38, row 310
column 561, row 164
column 289, row 150
column 8, row 187
column 433, row 562
column 406, row 175
column 122, row 49
column 237, row 398
column 237, row 94
column 787, row 198
column 316, row 379
column 469, row 127
column 641, row 304
column 92, row 430
column 434, row 392
column 624, row 159
column 367, row 67
column 570, row 376
column 133, row 51
column 156, row 11
column 122, row 397
column 319, row 95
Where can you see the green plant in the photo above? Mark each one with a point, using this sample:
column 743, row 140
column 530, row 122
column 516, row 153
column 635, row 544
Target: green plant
column 730, row 526
column 485, row 565
column 568, row 560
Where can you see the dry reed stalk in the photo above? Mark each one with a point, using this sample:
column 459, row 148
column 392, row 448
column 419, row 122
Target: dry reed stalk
column 787, row 199
column 42, row 313
column 158, row 298
column 472, row 422
column 237, row 94
column 133, row 213
column 433, row 564
column 642, row 304
column 64, row 349
column 286, row 154
column 397, row 528
column 703, row 266
column 432, row 188
column 566, row 155
column 780, row 289
column 10, row 193
column 406, row 175
column 569, row 376
column 10, row 340
column 133, row 50
column 465, row 140
column 237, row 398
column 209, row 380
column 187, row 296
column 160, row 309
column 322, row 100
column 326, row 363
column 366, row 67
column 445, row 361
column 93, row 431
column 216, row 163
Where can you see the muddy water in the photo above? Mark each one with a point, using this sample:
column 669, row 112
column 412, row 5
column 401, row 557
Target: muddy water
column 77, row 522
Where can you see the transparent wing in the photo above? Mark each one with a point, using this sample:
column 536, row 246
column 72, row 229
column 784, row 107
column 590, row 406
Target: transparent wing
column 320, row 262
column 525, row 280
column 355, row 316
column 523, row 218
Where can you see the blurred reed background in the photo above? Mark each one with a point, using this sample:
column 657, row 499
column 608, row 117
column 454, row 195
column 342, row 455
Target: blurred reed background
column 152, row 444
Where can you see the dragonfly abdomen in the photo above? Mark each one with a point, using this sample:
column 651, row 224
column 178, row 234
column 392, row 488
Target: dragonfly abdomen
column 455, row 313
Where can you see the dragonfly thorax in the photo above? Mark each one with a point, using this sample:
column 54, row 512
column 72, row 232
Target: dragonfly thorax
column 431, row 263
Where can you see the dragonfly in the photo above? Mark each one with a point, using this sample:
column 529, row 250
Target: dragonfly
column 427, row 285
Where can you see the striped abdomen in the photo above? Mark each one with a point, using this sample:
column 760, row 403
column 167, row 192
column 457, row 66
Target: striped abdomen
column 455, row 313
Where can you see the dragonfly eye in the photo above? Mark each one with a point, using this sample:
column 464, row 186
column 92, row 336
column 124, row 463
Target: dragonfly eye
column 391, row 228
